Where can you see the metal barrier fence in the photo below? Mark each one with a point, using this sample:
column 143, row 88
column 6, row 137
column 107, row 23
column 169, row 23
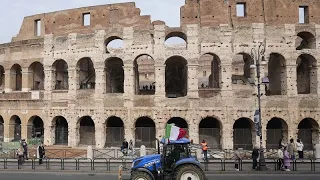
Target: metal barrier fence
column 112, row 165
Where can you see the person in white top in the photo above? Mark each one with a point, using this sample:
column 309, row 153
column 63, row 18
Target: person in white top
column 280, row 156
column 299, row 146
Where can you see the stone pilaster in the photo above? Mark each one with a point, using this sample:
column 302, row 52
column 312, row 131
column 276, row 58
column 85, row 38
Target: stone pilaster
column 227, row 137
column 73, row 132
column 72, row 71
column 129, row 85
column 193, row 81
column 226, row 86
column 26, row 80
column 49, row 134
column 100, row 134
column 7, row 79
column 160, row 71
column 100, row 88
column 291, row 71
column 49, row 82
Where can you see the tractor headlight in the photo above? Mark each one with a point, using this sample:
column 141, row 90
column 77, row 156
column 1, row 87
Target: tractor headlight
column 135, row 163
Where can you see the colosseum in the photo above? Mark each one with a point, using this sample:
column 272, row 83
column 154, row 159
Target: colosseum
column 61, row 80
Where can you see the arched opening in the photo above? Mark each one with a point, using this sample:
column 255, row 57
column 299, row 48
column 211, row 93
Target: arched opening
column 114, row 75
column 114, row 44
column 36, row 76
column 16, row 77
column 60, row 74
column 114, row 132
column 86, row 74
column 145, row 132
column 308, row 133
column 176, row 40
column 144, row 75
column 241, row 72
column 277, row 129
column 209, row 71
column 87, row 131
column 179, row 122
column 1, row 129
column 210, row 130
column 2, row 78
column 306, row 74
column 15, row 128
column 35, row 128
column 242, row 134
column 277, row 75
column 305, row 40
column 176, row 77
column 60, row 125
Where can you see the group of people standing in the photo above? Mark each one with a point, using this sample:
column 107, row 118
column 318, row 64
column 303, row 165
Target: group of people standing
column 22, row 152
column 127, row 148
column 286, row 153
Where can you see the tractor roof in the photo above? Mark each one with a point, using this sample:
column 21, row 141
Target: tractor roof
column 179, row 141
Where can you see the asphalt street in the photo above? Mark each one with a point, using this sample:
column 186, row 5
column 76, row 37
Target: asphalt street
column 85, row 176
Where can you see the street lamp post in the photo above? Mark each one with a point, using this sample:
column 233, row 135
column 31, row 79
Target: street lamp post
column 256, row 56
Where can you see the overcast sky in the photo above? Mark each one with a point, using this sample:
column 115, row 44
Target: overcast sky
column 13, row 11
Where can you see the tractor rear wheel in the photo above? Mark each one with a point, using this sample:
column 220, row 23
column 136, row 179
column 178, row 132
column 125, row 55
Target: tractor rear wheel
column 189, row 172
column 141, row 176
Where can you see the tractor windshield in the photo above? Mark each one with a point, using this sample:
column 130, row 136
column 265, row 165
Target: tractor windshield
column 173, row 153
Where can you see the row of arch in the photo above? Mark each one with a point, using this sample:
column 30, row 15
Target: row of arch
column 176, row 74
column 210, row 129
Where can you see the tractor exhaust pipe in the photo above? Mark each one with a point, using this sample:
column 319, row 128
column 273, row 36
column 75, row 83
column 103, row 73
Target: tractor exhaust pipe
column 158, row 145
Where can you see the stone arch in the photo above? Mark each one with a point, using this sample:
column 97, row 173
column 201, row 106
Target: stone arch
column 60, row 126
column 1, row 129
column 36, row 76
column 277, row 129
column 209, row 71
column 2, row 78
column 145, row 132
column 60, row 74
column 113, row 44
column 178, row 121
column 35, row 127
column 15, row 128
column 16, row 77
column 243, row 134
column 176, row 77
column 114, row 75
column 306, row 74
column 210, row 129
column 86, row 131
column 176, row 39
column 144, row 75
column 241, row 72
column 114, row 131
column 308, row 133
column 305, row 40
column 86, row 74
column 277, row 75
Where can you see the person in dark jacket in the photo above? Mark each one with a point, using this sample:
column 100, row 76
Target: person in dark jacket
column 40, row 153
column 255, row 156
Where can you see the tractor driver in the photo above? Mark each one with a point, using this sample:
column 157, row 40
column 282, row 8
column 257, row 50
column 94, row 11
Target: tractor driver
column 174, row 156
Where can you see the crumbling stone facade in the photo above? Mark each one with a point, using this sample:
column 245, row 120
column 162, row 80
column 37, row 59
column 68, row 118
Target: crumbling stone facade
column 60, row 80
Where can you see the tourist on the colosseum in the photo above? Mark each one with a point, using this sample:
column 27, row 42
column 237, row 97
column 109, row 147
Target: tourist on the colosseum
column 204, row 150
column 255, row 156
column 280, row 156
column 40, row 152
column 286, row 159
column 300, row 149
column 291, row 147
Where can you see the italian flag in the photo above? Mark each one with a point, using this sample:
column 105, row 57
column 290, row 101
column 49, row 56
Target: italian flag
column 174, row 132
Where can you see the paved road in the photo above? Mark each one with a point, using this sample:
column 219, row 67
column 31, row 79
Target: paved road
column 86, row 176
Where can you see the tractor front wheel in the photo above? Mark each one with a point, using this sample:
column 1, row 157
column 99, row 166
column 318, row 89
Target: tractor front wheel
column 141, row 176
column 189, row 172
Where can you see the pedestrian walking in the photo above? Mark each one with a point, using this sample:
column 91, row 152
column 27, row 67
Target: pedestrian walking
column 291, row 147
column 300, row 149
column 25, row 149
column 131, row 148
column 204, row 150
column 237, row 159
column 124, row 147
column 255, row 156
column 20, row 155
column 280, row 160
column 286, row 159
column 40, row 153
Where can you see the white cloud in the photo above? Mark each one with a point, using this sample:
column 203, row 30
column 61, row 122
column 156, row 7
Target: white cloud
column 13, row 11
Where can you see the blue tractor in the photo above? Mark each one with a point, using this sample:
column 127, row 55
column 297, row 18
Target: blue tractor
column 175, row 163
